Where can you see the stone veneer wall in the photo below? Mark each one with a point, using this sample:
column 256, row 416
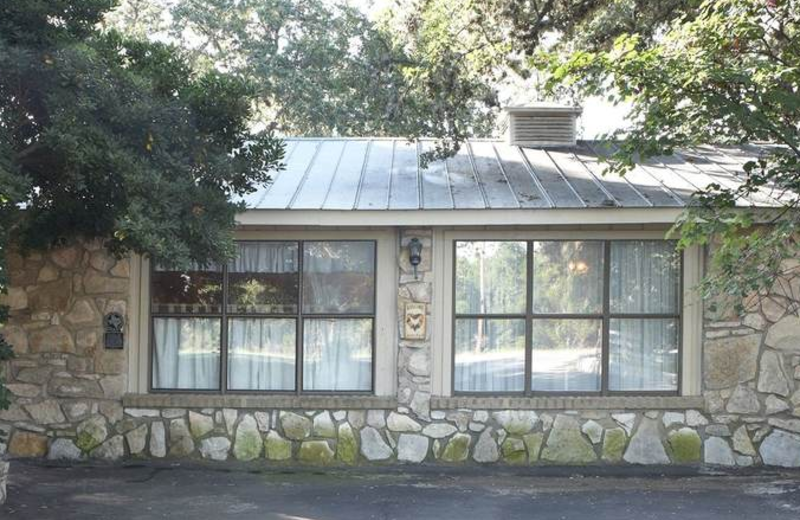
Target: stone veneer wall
column 749, row 413
column 65, row 386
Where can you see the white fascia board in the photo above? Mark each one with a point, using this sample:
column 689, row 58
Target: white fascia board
column 455, row 218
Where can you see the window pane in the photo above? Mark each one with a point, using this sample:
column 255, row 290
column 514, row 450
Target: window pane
column 261, row 354
column 566, row 355
column 567, row 277
column 339, row 277
column 337, row 354
column 186, row 353
column 490, row 277
column 490, row 355
column 643, row 354
column 644, row 277
column 263, row 278
column 197, row 291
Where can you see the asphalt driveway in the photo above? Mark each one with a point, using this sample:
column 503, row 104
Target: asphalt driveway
column 195, row 491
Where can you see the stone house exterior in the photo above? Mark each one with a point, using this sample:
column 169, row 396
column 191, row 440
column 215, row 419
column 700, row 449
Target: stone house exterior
column 542, row 321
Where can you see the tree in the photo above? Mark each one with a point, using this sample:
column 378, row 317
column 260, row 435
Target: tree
column 104, row 136
column 728, row 74
column 324, row 68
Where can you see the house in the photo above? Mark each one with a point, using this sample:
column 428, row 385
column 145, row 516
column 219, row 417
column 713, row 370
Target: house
column 507, row 305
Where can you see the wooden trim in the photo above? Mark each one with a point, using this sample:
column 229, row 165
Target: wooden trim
column 464, row 217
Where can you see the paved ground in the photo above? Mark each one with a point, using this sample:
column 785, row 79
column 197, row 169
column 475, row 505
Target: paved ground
column 198, row 492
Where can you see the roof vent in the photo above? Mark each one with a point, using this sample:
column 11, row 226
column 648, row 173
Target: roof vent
column 542, row 124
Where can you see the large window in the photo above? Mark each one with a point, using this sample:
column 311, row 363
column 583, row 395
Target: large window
column 281, row 316
column 566, row 317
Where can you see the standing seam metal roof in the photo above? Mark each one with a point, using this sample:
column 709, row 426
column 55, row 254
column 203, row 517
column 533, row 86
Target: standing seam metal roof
column 386, row 174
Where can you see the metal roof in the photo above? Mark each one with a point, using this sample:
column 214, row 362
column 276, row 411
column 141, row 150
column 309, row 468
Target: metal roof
column 385, row 174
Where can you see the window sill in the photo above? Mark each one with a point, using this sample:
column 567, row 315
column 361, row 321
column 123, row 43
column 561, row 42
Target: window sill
column 286, row 402
column 569, row 403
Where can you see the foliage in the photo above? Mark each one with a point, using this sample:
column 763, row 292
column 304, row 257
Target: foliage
column 728, row 74
column 324, row 68
column 104, row 136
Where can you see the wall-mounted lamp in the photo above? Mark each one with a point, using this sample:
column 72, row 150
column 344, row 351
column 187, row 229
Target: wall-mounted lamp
column 415, row 254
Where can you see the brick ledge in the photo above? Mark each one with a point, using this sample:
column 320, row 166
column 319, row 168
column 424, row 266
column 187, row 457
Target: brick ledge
column 569, row 403
column 307, row 402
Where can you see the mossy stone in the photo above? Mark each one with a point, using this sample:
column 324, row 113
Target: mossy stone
column 614, row 444
column 276, row 447
column 315, row 452
column 347, row 447
column 247, row 443
column 91, row 433
column 533, row 442
column 566, row 444
column 457, row 450
column 513, row 449
column 295, row 426
column 685, row 446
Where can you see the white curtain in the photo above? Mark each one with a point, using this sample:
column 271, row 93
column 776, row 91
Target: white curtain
column 643, row 354
column 186, row 353
column 338, row 277
column 644, row 277
column 264, row 257
column 645, row 280
column 490, row 355
column 337, row 354
column 261, row 354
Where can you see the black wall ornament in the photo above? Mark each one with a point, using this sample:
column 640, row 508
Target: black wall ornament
column 113, row 324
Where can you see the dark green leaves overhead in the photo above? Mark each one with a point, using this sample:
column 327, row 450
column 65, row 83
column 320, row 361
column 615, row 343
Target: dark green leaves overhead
column 727, row 74
column 122, row 139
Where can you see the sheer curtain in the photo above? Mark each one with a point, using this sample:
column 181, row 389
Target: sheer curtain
column 338, row 277
column 337, row 354
column 643, row 351
column 644, row 277
column 261, row 354
column 186, row 353
column 264, row 257
column 643, row 354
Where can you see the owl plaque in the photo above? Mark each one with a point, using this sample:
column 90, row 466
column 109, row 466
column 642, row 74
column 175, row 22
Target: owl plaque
column 415, row 321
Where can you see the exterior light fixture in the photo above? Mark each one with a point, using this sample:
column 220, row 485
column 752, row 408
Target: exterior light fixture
column 415, row 254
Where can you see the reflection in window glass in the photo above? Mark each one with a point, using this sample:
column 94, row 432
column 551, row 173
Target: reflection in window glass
column 644, row 277
column 186, row 353
column 261, row 354
column 196, row 291
column 338, row 277
column 567, row 277
column 643, row 354
column 490, row 277
column 490, row 355
column 263, row 278
column 566, row 355
column 337, row 354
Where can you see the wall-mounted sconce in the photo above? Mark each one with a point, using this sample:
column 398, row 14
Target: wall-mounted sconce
column 415, row 254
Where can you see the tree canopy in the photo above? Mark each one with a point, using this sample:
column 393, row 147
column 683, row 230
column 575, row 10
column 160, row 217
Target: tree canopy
column 105, row 136
column 727, row 74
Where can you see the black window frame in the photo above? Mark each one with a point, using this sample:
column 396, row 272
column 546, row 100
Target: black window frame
column 529, row 316
column 298, row 316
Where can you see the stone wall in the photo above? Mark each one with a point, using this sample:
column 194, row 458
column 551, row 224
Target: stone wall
column 414, row 355
column 63, row 382
column 68, row 400
column 751, row 377
column 383, row 436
